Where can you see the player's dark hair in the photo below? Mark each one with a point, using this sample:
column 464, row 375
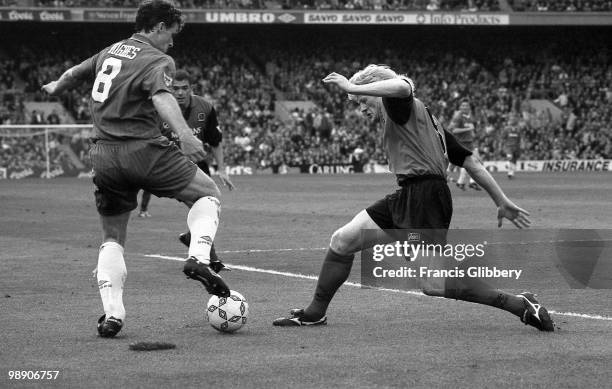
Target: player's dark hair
column 182, row 75
column 152, row 12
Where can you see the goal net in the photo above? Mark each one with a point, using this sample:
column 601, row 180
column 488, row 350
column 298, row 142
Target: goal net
column 44, row 151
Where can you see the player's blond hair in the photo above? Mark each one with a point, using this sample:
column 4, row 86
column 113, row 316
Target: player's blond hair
column 373, row 73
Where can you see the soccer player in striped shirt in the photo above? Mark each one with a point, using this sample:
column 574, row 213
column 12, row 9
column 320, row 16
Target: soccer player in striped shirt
column 418, row 150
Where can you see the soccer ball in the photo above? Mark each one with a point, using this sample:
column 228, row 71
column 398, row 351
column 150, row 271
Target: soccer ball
column 227, row 314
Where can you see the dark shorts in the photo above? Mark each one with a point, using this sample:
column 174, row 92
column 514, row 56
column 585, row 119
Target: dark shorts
column 121, row 169
column 421, row 203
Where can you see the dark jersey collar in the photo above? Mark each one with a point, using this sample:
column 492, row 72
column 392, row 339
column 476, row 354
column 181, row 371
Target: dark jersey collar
column 141, row 38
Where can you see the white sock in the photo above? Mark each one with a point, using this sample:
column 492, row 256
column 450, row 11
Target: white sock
column 203, row 220
column 111, row 275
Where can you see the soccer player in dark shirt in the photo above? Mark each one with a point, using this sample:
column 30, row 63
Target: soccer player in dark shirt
column 419, row 150
column 131, row 90
column 201, row 117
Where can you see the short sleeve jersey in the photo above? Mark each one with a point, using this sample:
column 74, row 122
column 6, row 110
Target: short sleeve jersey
column 202, row 119
column 462, row 120
column 125, row 77
column 415, row 141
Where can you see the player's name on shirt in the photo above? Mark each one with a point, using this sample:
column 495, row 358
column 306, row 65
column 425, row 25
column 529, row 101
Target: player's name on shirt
column 124, row 51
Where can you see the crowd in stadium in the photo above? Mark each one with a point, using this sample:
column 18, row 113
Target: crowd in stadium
column 393, row 5
column 429, row 5
column 561, row 5
column 497, row 93
column 245, row 83
column 30, row 153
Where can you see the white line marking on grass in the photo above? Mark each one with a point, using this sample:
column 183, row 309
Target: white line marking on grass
column 583, row 315
column 270, row 250
column 355, row 284
column 249, row 251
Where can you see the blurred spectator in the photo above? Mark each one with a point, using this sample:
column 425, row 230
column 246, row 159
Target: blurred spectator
column 53, row 118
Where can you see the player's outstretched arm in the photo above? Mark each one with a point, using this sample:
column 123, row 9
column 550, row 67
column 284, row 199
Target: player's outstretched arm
column 170, row 112
column 65, row 82
column 72, row 77
column 505, row 207
column 393, row 87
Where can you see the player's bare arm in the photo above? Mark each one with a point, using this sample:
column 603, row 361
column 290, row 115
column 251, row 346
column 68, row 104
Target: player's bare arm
column 393, row 87
column 65, row 82
column 223, row 176
column 505, row 207
column 170, row 112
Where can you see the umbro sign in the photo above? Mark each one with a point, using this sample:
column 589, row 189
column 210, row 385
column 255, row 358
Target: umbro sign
column 287, row 18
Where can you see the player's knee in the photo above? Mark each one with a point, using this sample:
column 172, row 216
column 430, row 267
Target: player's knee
column 342, row 243
column 210, row 188
column 200, row 186
column 203, row 192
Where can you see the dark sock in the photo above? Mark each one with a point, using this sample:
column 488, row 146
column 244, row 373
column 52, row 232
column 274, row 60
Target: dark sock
column 213, row 253
column 187, row 239
column 335, row 270
column 144, row 201
column 476, row 291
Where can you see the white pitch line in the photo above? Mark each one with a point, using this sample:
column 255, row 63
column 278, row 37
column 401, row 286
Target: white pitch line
column 583, row 315
column 270, row 250
column 355, row 284
column 248, row 251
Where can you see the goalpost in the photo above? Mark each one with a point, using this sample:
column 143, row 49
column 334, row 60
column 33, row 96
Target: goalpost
column 44, row 150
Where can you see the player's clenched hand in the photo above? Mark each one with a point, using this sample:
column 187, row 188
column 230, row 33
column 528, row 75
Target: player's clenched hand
column 518, row 216
column 50, row 88
column 225, row 180
column 193, row 148
column 338, row 79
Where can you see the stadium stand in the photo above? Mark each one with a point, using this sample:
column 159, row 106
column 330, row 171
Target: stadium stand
column 377, row 5
column 561, row 5
column 245, row 79
column 393, row 5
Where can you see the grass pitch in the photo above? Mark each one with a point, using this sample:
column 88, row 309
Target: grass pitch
column 49, row 235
